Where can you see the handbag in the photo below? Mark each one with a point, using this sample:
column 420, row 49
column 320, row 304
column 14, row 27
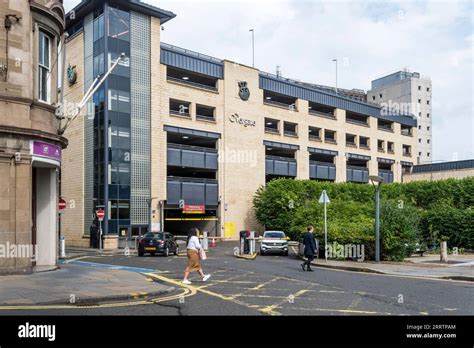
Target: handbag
column 202, row 254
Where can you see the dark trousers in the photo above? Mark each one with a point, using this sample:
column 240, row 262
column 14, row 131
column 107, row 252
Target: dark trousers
column 307, row 263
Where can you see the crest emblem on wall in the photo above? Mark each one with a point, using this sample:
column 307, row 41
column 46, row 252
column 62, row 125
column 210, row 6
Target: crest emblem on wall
column 244, row 92
column 71, row 74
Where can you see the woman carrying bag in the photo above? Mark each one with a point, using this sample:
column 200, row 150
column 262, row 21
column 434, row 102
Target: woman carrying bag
column 195, row 253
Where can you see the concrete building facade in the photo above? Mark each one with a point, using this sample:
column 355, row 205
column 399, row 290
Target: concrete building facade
column 30, row 147
column 412, row 93
column 179, row 139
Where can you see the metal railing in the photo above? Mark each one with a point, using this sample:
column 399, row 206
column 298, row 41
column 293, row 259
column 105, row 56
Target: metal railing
column 272, row 130
column 191, row 83
column 205, row 118
column 179, row 113
column 191, row 53
column 280, row 104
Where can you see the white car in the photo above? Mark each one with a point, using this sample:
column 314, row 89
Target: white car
column 274, row 242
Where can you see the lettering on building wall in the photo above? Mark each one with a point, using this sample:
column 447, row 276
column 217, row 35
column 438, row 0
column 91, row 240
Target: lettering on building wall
column 235, row 118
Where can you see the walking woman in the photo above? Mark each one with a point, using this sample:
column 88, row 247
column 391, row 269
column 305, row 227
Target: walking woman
column 193, row 248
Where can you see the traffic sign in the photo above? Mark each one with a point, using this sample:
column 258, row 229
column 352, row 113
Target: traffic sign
column 324, row 198
column 100, row 214
column 61, row 205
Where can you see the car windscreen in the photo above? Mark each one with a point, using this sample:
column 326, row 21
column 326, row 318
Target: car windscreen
column 154, row 235
column 274, row 235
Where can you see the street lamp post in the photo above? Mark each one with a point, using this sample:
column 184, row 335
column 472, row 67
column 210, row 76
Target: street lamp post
column 377, row 182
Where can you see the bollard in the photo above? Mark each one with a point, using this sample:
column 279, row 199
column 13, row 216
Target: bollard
column 63, row 247
column 205, row 241
column 252, row 242
column 444, row 252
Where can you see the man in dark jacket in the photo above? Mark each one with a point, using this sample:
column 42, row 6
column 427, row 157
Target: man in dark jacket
column 309, row 249
column 93, row 236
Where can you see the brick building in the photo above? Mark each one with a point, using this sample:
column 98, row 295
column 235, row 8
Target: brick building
column 176, row 138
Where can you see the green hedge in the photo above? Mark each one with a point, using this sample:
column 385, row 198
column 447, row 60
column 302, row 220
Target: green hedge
column 417, row 212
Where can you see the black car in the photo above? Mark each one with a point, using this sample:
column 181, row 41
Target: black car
column 158, row 243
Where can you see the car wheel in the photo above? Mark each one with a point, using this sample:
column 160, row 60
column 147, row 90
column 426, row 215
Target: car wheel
column 176, row 251
column 140, row 254
column 286, row 253
column 167, row 251
column 262, row 252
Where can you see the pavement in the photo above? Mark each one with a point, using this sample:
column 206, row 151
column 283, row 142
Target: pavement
column 419, row 266
column 79, row 283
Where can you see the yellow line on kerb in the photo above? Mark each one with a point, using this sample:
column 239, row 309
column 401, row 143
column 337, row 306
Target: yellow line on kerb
column 185, row 293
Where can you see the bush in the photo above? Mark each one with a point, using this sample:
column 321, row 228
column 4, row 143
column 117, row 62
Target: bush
column 398, row 230
column 412, row 212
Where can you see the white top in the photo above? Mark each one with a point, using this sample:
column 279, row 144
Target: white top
column 194, row 243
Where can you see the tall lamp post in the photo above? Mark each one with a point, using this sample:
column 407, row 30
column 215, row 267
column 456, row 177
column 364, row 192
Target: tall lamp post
column 253, row 47
column 377, row 182
column 335, row 60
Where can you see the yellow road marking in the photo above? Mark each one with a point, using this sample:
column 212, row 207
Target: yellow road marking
column 258, row 287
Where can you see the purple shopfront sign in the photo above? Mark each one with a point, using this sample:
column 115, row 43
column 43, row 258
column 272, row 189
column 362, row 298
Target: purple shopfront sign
column 46, row 150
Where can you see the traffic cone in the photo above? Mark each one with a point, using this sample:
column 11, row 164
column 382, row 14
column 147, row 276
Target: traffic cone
column 213, row 242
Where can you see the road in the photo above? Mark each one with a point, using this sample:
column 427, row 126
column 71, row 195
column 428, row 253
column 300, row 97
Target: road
column 276, row 285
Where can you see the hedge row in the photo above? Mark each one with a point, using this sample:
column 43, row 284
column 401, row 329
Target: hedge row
column 411, row 213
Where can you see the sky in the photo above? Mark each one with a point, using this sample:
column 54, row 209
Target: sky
column 369, row 39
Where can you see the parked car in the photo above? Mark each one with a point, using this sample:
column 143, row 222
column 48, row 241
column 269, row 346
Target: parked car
column 274, row 242
column 158, row 243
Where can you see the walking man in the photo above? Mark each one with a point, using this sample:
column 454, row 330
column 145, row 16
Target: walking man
column 309, row 248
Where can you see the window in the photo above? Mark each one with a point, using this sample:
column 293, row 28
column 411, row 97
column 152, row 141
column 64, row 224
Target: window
column 329, row 136
column 428, row 141
column 373, row 97
column 427, row 102
column 381, row 145
column 428, row 115
column 427, row 89
column 419, row 153
column 350, row 140
column 205, row 113
column 419, row 88
column 428, row 154
column 44, row 67
column 419, row 101
column 419, row 140
column 427, row 128
column 380, row 95
column 314, row 133
column 419, row 127
column 364, row 142
column 390, row 147
column 419, row 114
column 290, row 129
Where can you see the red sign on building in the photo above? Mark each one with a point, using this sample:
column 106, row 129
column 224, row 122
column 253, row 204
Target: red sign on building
column 194, row 209
column 61, row 205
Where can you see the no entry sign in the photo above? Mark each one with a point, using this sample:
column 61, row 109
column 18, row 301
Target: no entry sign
column 100, row 214
column 61, row 205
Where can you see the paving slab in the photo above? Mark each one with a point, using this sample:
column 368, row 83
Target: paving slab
column 87, row 284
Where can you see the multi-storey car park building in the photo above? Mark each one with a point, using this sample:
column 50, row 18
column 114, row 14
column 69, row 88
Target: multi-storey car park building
column 413, row 93
column 184, row 139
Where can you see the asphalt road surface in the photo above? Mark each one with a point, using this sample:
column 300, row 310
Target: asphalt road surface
column 276, row 285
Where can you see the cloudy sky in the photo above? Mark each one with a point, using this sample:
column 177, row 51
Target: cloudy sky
column 369, row 38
